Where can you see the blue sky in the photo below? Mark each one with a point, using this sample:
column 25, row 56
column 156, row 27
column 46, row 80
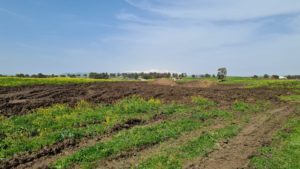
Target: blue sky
column 194, row 36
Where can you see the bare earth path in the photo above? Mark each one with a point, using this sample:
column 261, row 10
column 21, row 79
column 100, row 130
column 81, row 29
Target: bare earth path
column 237, row 152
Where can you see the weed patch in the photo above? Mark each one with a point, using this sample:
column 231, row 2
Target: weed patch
column 202, row 102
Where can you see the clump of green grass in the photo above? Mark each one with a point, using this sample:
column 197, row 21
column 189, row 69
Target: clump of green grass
column 175, row 107
column 215, row 113
column 202, row 102
column 133, row 138
column 297, row 91
column 290, row 98
column 175, row 157
column 135, row 104
column 244, row 107
column 284, row 152
column 18, row 81
column 50, row 125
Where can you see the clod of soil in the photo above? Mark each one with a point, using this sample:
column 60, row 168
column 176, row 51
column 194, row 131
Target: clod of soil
column 128, row 124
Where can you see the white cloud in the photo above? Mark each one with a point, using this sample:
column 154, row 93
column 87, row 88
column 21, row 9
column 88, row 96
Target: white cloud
column 218, row 9
column 249, row 37
column 13, row 14
column 194, row 35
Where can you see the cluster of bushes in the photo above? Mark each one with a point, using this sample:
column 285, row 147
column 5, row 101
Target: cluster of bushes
column 41, row 75
column 293, row 76
column 266, row 76
column 204, row 76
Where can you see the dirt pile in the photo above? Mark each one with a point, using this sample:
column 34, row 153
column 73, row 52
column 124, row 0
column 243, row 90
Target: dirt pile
column 201, row 84
column 167, row 82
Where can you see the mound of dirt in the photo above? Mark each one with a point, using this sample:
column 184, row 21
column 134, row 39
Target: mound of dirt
column 167, row 82
column 200, row 84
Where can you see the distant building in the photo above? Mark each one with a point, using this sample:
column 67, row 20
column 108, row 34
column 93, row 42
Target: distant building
column 282, row 77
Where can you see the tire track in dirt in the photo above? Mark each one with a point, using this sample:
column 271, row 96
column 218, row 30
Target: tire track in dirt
column 131, row 158
column 238, row 151
column 44, row 157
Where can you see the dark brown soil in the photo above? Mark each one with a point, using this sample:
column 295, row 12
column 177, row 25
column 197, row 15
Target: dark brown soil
column 20, row 100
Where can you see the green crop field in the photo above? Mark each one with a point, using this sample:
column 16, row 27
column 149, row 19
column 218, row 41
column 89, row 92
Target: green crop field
column 18, row 81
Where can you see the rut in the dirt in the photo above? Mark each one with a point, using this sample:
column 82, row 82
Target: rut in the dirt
column 40, row 157
column 43, row 158
column 131, row 158
column 237, row 152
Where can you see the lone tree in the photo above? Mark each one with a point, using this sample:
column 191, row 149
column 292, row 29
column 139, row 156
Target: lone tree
column 266, row 76
column 222, row 73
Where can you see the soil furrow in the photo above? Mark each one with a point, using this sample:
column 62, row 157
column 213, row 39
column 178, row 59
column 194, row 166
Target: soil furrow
column 51, row 153
column 132, row 158
column 237, row 152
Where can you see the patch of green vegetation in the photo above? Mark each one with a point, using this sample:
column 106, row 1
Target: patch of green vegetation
column 272, row 83
column 290, row 98
column 175, row 107
column 202, row 102
column 191, row 79
column 18, row 81
column 215, row 113
column 249, row 82
column 284, row 152
column 176, row 157
column 133, row 138
column 50, row 125
column 244, row 107
column 297, row 91
column 143, row 136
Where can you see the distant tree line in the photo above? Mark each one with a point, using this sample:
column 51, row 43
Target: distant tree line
column 105, row 75
column 204, row 76
column 293, row 76
column 151, row 75
column 41, row 75
column 266, row 76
